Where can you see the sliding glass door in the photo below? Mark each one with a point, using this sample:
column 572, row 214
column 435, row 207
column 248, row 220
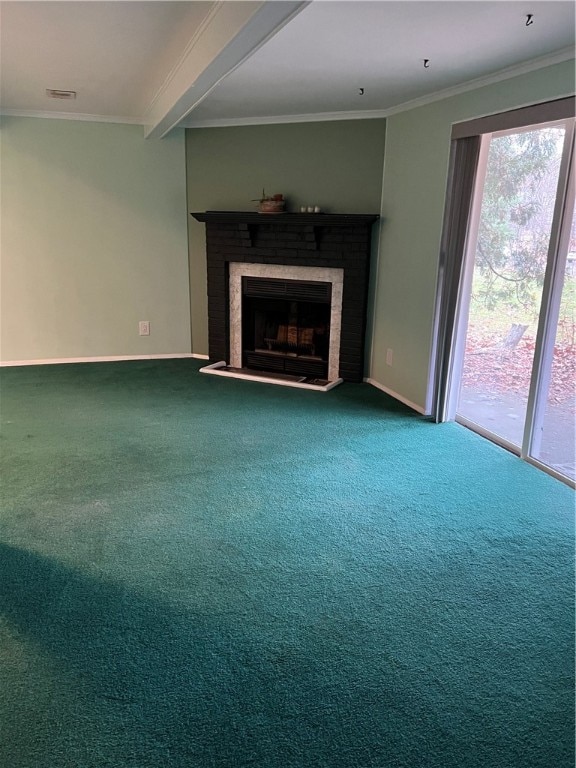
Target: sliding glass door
column 514, row 370
column 552, row 439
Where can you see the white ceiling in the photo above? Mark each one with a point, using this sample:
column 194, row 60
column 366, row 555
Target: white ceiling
column 207, row 63
column 318, row 62
column 114, row 54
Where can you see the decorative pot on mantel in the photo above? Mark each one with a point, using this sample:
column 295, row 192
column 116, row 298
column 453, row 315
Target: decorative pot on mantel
column 272, row 204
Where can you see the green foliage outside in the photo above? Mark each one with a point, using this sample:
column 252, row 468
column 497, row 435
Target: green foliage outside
column 514, row 231
column 496, row 318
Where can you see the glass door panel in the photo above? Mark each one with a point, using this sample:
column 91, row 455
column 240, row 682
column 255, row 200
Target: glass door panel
column 554, row 439
column 514, row 227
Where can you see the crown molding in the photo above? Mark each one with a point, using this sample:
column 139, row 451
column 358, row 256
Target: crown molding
column 81, row 116
column 317, row 117
column 558, row 57
column 565, row 54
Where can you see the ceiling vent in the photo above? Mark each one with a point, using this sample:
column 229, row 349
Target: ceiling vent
column 56, row 93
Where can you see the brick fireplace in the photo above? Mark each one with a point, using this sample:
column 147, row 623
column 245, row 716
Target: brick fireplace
column 287, row 295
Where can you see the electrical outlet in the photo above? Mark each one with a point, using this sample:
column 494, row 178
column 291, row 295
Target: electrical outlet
column 389, row 356
column 144, row 327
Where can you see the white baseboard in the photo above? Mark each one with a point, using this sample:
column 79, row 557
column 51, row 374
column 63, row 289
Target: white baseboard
column 396, row 396
column 103, row 359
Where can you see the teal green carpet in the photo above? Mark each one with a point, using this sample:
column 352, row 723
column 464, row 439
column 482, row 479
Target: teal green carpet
column 199, row 572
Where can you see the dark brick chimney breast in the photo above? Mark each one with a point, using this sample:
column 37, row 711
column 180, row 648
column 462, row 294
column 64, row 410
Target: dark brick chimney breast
column 311, row 240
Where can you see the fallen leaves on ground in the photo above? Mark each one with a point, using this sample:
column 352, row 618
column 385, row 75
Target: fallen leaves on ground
column 489, row 366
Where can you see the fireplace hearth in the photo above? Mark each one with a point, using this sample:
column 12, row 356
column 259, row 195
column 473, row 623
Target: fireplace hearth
column 287, row 296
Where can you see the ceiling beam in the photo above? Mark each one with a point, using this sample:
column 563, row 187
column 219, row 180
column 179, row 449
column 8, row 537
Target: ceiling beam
column 229, row 34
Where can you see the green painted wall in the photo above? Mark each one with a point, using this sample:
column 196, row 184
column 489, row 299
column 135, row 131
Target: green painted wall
column 414, row 188
column 336, row 165
column 94, row 222
column 93, row 240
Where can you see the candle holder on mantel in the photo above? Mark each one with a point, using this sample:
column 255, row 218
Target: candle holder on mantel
column 271, row 203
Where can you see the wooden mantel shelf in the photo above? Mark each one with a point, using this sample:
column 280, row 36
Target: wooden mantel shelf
column 305, row 219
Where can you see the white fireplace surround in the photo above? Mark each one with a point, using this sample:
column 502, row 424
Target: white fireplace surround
column 238, row 270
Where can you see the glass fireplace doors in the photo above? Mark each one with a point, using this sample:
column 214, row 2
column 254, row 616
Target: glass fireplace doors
column 286, row 326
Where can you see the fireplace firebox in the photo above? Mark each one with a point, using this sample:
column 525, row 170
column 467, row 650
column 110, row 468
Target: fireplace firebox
column 286, row 326
column 287, row 295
